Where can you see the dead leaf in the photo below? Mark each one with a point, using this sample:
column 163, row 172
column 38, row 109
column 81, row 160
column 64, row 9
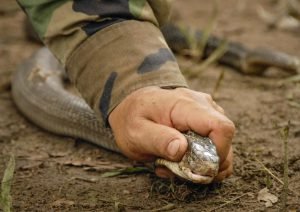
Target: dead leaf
column 105, row 167
column 168, row 207
column 32, row 165
column 59, row 154
column 62, row 202
column 268, row 198
column 94, row 165
column 125, row 171
column 86, row 179
column 35, row 157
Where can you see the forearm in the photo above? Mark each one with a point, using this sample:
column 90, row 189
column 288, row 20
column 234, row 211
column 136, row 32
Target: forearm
column 109, row 49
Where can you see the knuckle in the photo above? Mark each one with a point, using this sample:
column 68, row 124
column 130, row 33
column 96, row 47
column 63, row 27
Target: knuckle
column 222, row 110
column 208, row 97
column 228, row 129
column 186, row 93
column 183, row 90
column 229, row 126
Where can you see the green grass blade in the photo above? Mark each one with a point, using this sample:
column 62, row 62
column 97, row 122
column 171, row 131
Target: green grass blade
column 218, row 83
column 125, row 171
column 295, row 78
column 209, row 28
column 213, row 58
column 196, row 46
column 6, row 199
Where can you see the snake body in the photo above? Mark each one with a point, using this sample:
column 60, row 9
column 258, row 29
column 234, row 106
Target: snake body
column 237, row 55
column 39, row 92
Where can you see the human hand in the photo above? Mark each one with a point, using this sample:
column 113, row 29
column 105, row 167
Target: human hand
column 148, row 122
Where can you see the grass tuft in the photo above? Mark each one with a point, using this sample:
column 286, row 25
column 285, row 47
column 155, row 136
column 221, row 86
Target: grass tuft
column 197, row 46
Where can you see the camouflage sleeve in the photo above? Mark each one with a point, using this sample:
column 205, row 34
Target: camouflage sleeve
column 109, row 48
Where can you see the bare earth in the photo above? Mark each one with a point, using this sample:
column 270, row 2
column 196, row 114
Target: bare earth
column 55, row 173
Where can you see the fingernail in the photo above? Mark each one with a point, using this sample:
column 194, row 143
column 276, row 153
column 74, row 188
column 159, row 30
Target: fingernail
column 173, row 148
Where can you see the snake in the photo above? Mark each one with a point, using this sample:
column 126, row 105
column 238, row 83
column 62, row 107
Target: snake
column 40, row 92
column 238, row 56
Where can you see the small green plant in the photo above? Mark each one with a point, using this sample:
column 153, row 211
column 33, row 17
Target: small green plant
column 197, row 45
column 5, row 197
column 210, row 26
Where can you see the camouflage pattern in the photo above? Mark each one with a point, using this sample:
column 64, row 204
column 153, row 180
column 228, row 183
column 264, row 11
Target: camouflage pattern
column 110, row 48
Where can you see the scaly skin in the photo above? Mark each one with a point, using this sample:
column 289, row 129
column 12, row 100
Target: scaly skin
column 200, row 163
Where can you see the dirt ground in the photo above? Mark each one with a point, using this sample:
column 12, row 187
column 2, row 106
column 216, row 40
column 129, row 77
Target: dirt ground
column 55, row 173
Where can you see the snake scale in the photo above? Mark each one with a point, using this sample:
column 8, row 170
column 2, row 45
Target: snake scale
column 38, row 89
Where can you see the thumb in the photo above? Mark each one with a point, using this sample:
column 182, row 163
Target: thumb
column 162, row 141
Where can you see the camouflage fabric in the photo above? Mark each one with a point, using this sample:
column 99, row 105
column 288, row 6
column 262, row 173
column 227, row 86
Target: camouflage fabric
column 110, row 48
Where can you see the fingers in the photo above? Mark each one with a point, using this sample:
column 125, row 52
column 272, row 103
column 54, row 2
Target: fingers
column 226, row 168
column 199, row 97
column 147, row 124
column 227, row 162
column 218, row 107
column 205, row 120
column 163, row 141
column 224, row 174
column 155, row 140
column 222, row 133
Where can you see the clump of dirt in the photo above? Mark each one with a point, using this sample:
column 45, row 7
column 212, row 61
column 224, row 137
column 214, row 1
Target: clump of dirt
column 54, row 173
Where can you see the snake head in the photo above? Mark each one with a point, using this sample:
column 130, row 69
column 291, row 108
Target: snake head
column 201, row 161
column 200, row 164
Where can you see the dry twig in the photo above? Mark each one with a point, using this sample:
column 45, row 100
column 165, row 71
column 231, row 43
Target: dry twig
column 229, row 202
column 269, row 172
column 218, row 83
column 285, row 135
